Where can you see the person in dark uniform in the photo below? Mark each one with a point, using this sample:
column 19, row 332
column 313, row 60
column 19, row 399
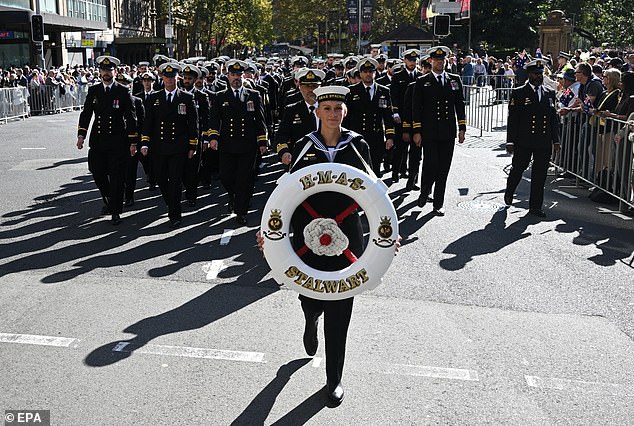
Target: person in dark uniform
column 330, row 144
column 398, row 85
column 290, row 83
column 370, row 113
column 137, row 84
column 237, row 131
column 170, row 133
column 147, row 79
column 158, row 61
column 133, row 161
column 210, row 168
column 437, row 102
column 112, row 136
column 532, row 130
column 298, row 119
column 190, row 74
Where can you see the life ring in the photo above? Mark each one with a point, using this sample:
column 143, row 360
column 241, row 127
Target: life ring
column 364, row 273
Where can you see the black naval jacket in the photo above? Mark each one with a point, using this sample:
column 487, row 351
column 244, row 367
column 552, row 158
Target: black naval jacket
column 531, row 123
column 201, row 101
column 330, row 204
column 238, row 125
column 170, row 129
column 435, row 107
column 398, row 85
column 371, row 118
column 115, row 125
column 296, row 122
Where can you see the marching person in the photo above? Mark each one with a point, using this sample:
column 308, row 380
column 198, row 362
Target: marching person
column 437, row 102
column 190, row 74
column 147, row 79
column 112, row 136
column 532, row 130
column 370, row 113
column 330, row 144
column 299, row 119
column 170, row 134
column 237, row 131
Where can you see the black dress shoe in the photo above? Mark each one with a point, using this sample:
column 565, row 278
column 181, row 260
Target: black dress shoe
column 241, row 219
column 230, row 205
column 395, row 178
column 404, row 175
column 191, row 203
column 310, row 336
column 105, row 210
column 129, row 203
column 175, row 223
column 422, row 200
column 335, row 393
column 412, row 187
column 537, row 212
column 439, row 211
column 508, row 199
column 116, row 219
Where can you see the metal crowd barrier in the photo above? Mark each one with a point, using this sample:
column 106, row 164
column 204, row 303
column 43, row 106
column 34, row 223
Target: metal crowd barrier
column 592, row 152
column 48, row 99
column 13, row 103
column 486, row 107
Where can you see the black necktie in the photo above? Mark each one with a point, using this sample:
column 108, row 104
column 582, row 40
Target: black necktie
column 440, row 79
column 313, row 119
column 367, row 89
column 411, row 76
column 107, row 90
column 237, row 93
column 169, row 98
column 538, row 93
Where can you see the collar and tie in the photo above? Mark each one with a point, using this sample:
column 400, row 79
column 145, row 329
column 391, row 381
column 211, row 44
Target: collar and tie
column 237, row 94
column 538, row 91
column 107, row 89
column 169, row 98
column 313, row 119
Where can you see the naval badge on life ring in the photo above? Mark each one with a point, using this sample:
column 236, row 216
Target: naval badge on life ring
column 323, row 236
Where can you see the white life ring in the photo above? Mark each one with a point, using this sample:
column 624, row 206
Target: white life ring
column 364, row 273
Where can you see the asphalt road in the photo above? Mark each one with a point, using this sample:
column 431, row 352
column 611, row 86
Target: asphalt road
column 486, row 316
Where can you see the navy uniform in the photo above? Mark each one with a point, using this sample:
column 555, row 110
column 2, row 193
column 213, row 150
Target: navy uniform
column 133, row 160
column 532, row 130
column 298, row 119
column 337, row 313
column 159, row 60
column 192, row 165
column 370, row 114
column 210, row 167
column 398, row 85
column 146, row 160
column 237, row 129
column 113, row 131
column 437, row 102
column 137, row 83
column 170, row 131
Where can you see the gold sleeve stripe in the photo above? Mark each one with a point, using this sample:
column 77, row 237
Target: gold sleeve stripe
column 145, row 138
column 281, row 147
column 406, row 124
column 82, row 128
column 213, row 132
column 262, row 137
column 193, row 141
column 389, row 131
column 462, row 121
column 133, row 135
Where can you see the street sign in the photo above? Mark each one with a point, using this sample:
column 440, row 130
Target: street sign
column 447, row 7
column 169, row 31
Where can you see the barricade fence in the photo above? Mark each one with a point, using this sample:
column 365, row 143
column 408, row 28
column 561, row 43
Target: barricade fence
column 487, row 107
column 599, row 151
column 47, row 99
column 13, row 103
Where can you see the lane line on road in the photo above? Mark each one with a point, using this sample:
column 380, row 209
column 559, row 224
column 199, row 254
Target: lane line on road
column 213, row 268
column 434, row 372
column 526, row 179
column 565, row 194
column 316, row 362
column 603, row 210
column 579, row 385
column 226, row 237
column 32, row 148
column 31, row 339
column 190, row 352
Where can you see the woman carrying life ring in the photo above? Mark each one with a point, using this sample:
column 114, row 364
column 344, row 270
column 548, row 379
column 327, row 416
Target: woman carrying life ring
column 330, row 144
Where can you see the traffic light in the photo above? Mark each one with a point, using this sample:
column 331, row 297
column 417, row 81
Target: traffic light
column 441, row 25
column 37, row 28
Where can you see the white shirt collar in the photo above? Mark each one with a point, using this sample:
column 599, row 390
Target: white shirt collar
column 173, row 92
column 105, row 86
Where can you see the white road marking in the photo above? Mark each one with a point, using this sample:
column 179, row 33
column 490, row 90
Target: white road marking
column 32, row 148
column 621, row 216
column 614, row 213
column 526, row 179
column 435, row 372
column 30, row 339
column 189, row 352
column 316, row 362
column 213, row 268
column 565, row 194
column 579, row 385
column 553, row 205
column 226, row 237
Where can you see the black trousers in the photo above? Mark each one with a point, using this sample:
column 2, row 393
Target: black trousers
column 415, row 154
column 337, row 314
column 437, row 156
column 209, row 166
column 190, row 176
column 377, row 152
column 108, row 169
column 521, row 159
column 400, row 153
column 146, row 162
column 130, row 175
column 236, row 175
column 168, row 170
